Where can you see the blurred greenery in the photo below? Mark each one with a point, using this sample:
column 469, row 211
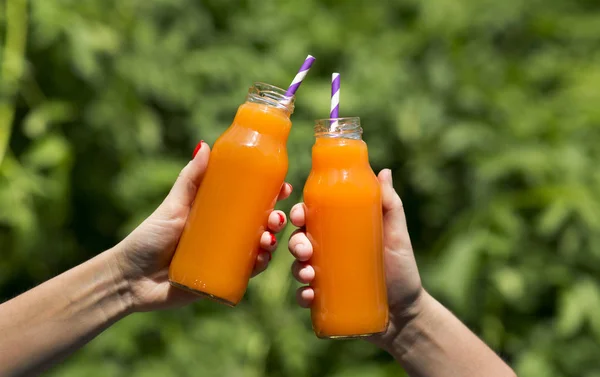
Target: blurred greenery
column 488, row 112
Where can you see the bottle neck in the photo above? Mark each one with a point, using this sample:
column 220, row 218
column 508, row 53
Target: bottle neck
column 339, row 153
column 267, row 111
column 339, row 144
column 264, row 120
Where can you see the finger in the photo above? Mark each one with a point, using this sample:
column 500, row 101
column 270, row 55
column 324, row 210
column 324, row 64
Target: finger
column 277, row 221
column 298, row 215
column 184, row 190
column 395, row 230
column 305, row 296
column 303, row 272
column 285, row 192
column 300, row 246
column 268, row 242
column 262, row 262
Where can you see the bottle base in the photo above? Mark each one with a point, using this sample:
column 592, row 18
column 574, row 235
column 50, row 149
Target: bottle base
column 203, row 294
column 342, row 337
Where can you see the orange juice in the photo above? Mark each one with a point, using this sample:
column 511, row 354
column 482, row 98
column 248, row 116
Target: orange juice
column 247, row 167
column 344, row 223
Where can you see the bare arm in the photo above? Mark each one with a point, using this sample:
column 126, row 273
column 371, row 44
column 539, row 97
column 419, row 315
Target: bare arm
column 46, row 324
column 42, row 326
column 435, row 343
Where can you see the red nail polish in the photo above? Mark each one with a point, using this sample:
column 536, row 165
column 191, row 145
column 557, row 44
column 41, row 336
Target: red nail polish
column 273, row 239
column 281, row 219
column 270, row 256
column 197, row 148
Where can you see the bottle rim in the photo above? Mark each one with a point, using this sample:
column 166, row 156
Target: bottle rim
column 271, row 95
column 346, row 127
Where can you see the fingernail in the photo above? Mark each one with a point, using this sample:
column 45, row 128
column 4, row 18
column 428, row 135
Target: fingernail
column 273, row 239
column 291, row 187
column 391, row 181
column 281, row 218
column 270, row 256
column 197, row 148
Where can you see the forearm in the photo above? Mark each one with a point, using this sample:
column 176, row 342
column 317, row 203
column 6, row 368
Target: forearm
column 436, row 344
column 45, row 324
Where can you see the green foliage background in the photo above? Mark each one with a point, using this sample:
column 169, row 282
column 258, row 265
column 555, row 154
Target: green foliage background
column 488, row 112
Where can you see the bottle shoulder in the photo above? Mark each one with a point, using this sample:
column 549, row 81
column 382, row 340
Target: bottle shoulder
column 248, row 150
column 237, row 137
column 359, row 183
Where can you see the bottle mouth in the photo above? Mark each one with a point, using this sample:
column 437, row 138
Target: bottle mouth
column 271, row 95
column 348, row 128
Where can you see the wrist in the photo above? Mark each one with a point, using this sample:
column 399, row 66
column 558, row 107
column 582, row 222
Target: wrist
column 408, row 325
column 120, row 279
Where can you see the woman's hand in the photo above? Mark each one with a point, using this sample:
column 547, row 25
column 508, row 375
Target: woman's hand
column 143, row 257
column 425, row 338
column 402, row 276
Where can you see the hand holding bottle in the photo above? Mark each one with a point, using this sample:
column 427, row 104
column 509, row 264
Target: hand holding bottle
column 402, row 276
column 144, row 256
column 423, row 336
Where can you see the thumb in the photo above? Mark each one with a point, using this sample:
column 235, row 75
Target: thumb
column 184, row 190
column 394, row 220
column 401, row 270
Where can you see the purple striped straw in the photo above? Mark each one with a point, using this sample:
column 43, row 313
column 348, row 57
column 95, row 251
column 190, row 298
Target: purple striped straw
column 308, row 62
column 335, row 99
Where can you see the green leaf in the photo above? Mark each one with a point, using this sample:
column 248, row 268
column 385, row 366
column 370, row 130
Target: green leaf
column 39, row 120
column 48, row 152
